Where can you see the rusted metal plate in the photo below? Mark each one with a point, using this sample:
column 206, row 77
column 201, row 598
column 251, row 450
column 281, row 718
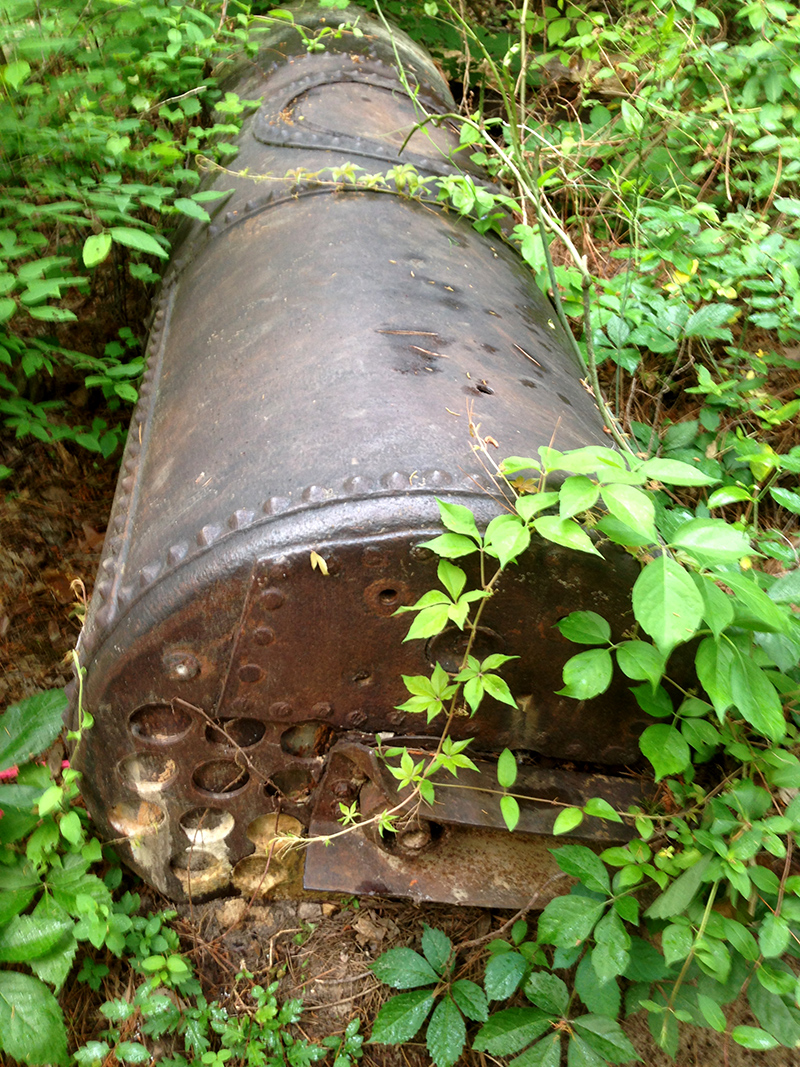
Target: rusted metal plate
column 314, row 363
column 459, row 850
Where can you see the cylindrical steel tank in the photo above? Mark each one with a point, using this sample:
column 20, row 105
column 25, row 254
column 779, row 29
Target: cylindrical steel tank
column 314, row 358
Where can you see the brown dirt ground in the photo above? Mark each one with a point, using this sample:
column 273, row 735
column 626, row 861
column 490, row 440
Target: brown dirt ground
column 52, row 518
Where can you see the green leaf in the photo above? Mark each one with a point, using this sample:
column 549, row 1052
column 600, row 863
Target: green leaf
column 138, row 240
column 31, row 1023
column 601, row 809
column 451, row 577
column 532, row 503
column 471, row 999
column 712, row 1013
column 752, row 1037
column 506, row 537
column 606, row 1037
column 641, row 661
column 545, row 1053
column 566, row 921
column 547, row 992
column 403, row 968
column 48, row 313
column 581, row 1054
column 577, row 494
column 601, row 997
column 16, row 73
column 713, row 661
column 506, row 769
column 437, row 948
column 458, row 519
column 451, row 546
column 718, row 612
column 677, row 897
column 567, row 820
column 711, row 541
column 768, row 617
column 707, row 322
column 729, row 494
column 446, row 1034
column 666, row 603
column 585, row 865
column 510, row 1030
column 504, row 972
column 509, row 809
column 775, row 1015
column 30, row 727
column 29, row 936
column 192, row 209
column 632, row 507
column 587, row 674
column 70, row 828
column 133, row 1052
column 756, row 698
column 674, row 472
column 18, row 886
column 401, row 1017
column 773, row 936
column 96, row 248
column 565, row 532
column 676, row 942
column 666, row 749
column 585, row 628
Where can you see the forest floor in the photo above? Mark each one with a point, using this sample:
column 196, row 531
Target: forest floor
column 52, row 523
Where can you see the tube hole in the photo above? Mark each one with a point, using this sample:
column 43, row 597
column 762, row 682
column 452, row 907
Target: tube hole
column 307, row 739
column 204, row 825
column 136, row 820
column 220, row 776
column 160, row 723
column 294, row 783
column 147, row 772
column 235, row 733
column 200, row 872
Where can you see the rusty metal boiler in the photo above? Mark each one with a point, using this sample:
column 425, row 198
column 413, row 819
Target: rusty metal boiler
column 312, row 358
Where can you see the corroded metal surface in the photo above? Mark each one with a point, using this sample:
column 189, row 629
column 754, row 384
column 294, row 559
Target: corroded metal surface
column 313, row 358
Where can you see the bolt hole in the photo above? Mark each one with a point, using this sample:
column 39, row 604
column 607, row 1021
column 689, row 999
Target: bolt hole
column 362, row 678
column 483, row 388
column 203, row 825
column 388, row 596
column 160, row 723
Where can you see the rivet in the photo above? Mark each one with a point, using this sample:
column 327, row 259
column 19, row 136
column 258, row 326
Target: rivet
column 177, row 553
column 102, row 589
column 250, row 672
column 315, row 493
column 213, row 231
column 263, row 636
column 240, row 519
column 118, row 523
column 108, row 564
column 276, row 504
column 272, row 599
column 125, row 595
column 395, row 480
column 208, row 535
column 181, row 666
column 127, row 483
column 396, row 718
column 356, row 718
column 148, row 574
column 280, row 710
column 436, row 477
column 342, row 788
column 322, row 709
column 358, row 484
column 129, row 466
column 251, row 205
